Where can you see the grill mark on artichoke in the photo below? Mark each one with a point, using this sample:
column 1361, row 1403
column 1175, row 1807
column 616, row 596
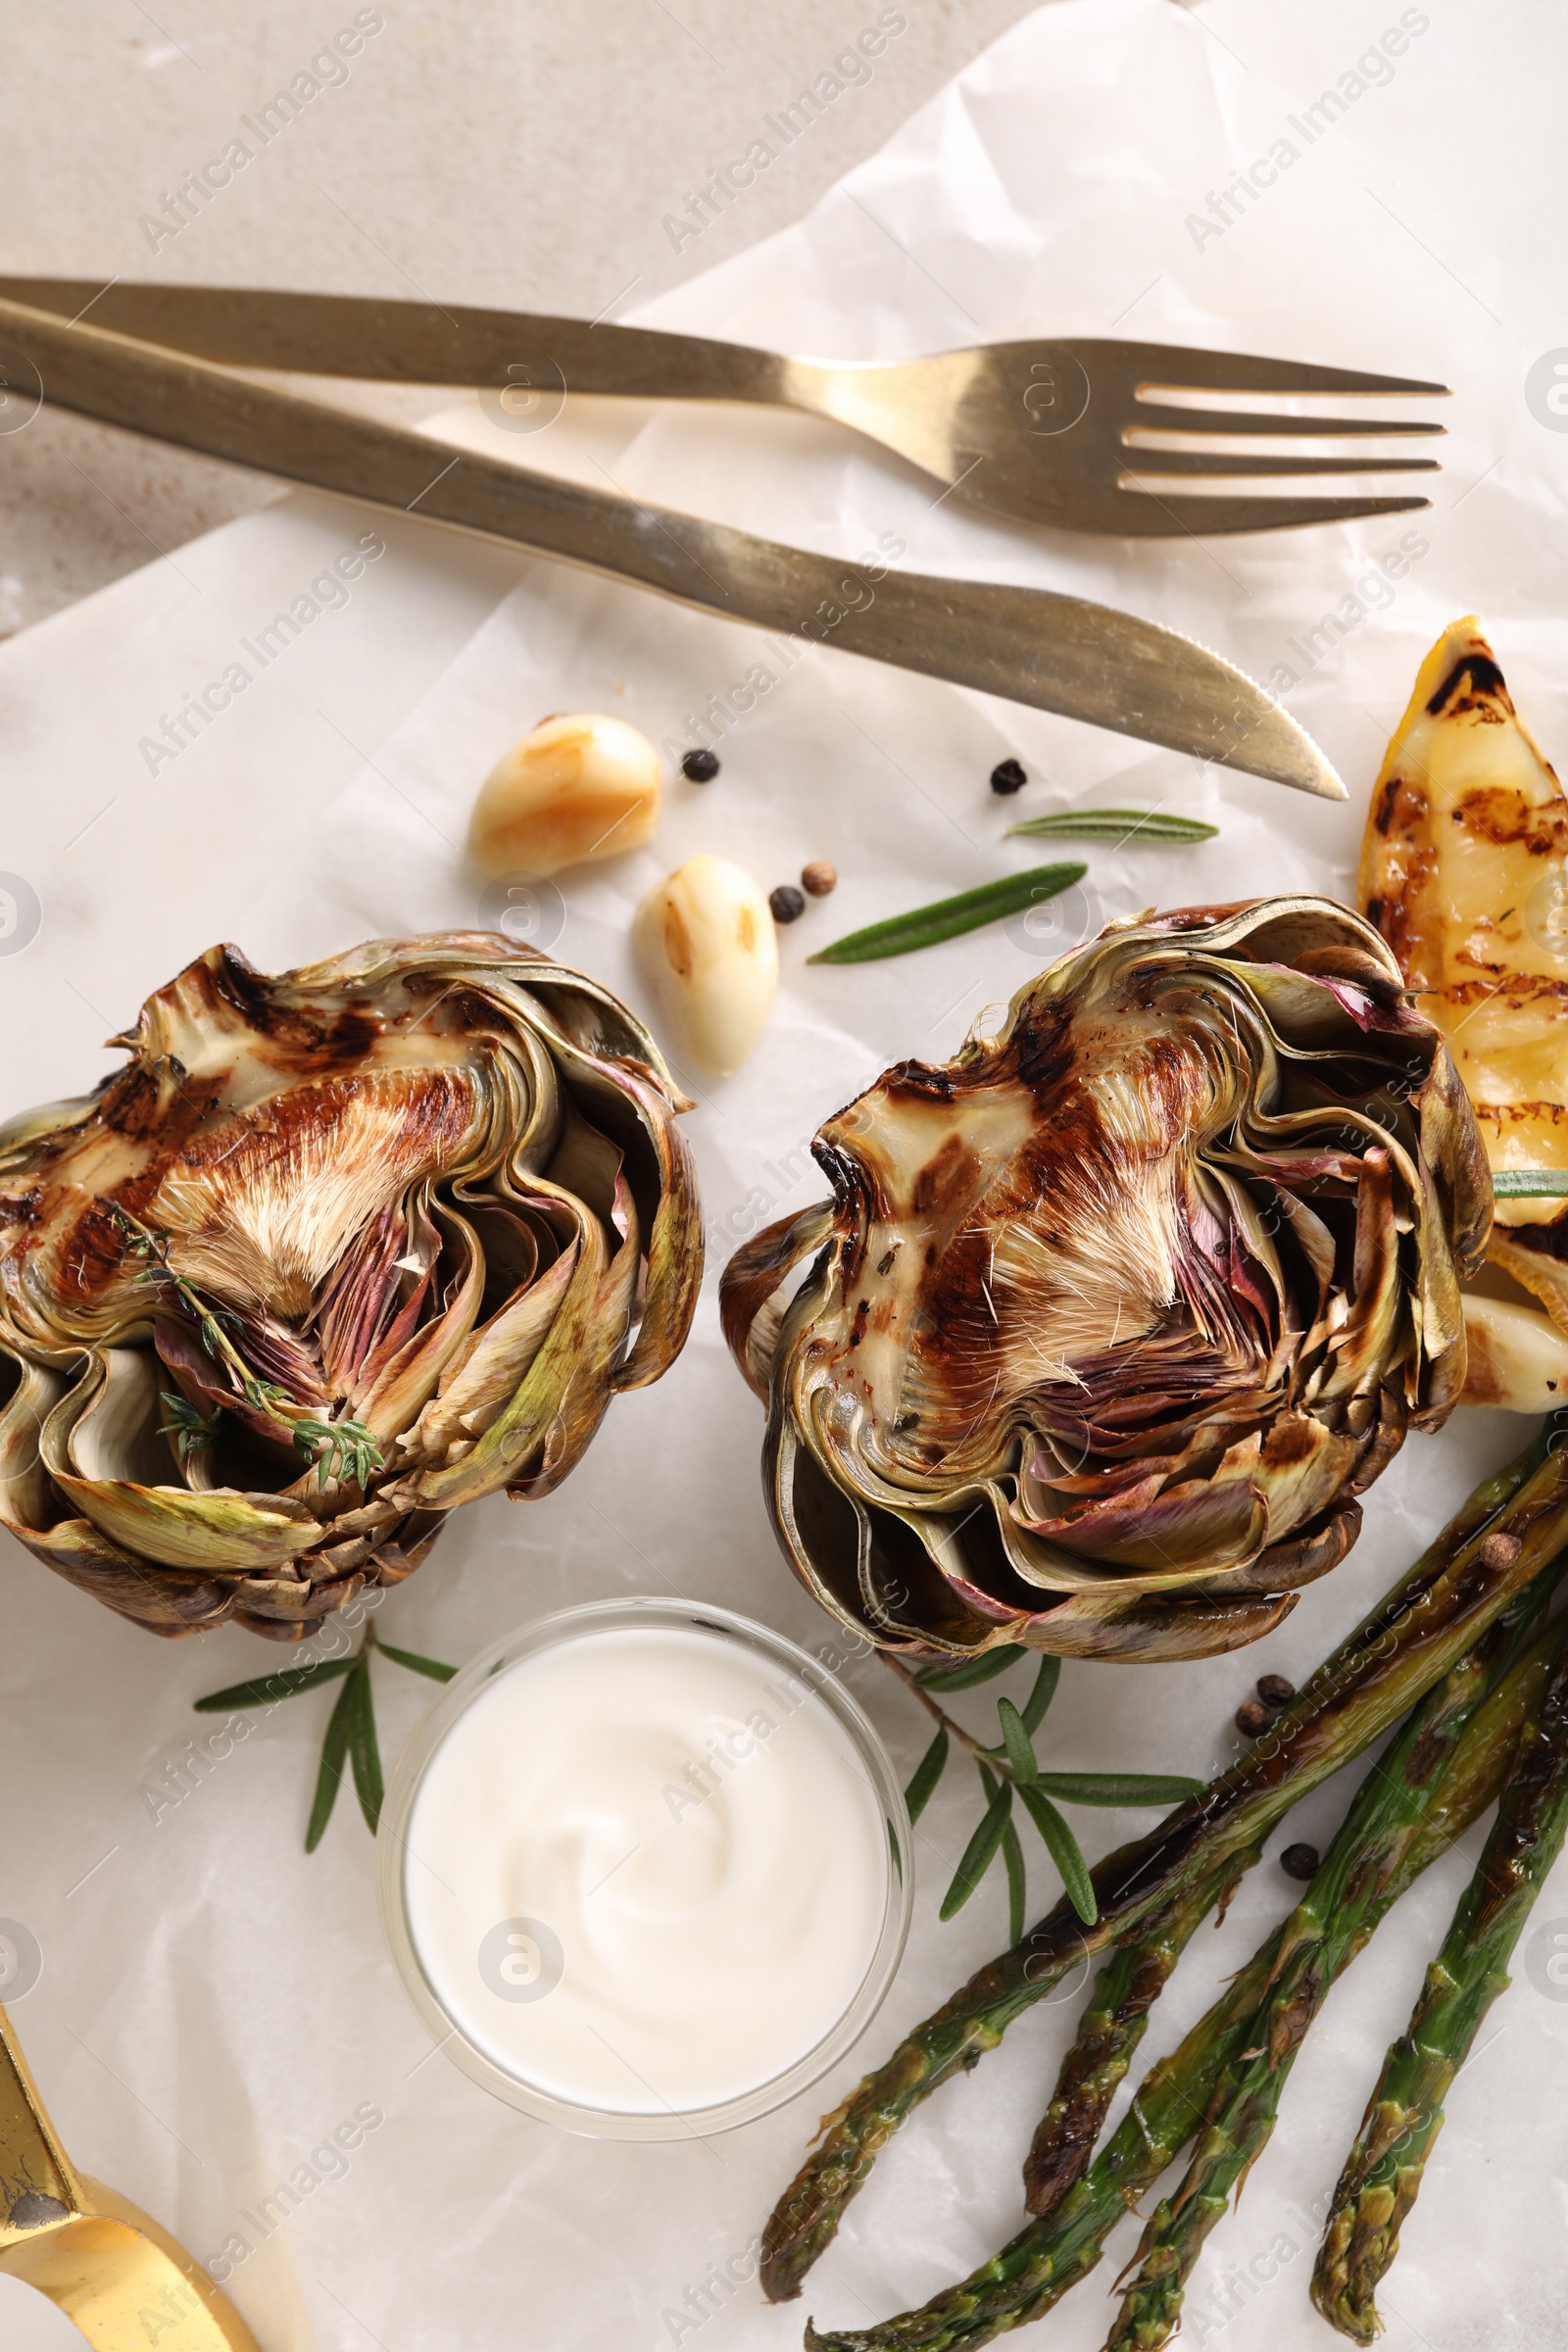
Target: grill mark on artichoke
column 281, row 1208
column 1172, row 1279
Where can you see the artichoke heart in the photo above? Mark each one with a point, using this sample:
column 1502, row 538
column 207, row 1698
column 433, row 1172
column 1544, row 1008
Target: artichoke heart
column 333, row 1253
column 1112, row 1317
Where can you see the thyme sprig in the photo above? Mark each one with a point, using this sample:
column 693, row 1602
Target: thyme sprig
column 347, row 1450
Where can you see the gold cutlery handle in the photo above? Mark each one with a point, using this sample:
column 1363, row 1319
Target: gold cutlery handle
column 108, row 2266
column 412, row 342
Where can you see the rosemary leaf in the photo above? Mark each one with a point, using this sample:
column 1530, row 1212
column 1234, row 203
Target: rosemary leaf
column 924, row 927
column 1530, row 1184
column 1064, row 1851
column 288, row 1682
column 1118, row 1787
column 981, row 1849
column 983, row 1669
column 415, row 1664
column 335, row 1749
column 1015, row 1740
column 1041, row 1697
column 1018, row 1883
column 1115, row 824
column 364, row 1747
column 927, row 1773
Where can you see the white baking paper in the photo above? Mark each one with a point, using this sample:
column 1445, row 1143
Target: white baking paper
column 212, row 2005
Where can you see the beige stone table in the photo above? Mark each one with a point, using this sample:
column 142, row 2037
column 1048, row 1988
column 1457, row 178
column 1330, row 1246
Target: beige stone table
column 530, row 153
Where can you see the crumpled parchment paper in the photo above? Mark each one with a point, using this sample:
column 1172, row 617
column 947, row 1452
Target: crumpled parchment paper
column 209, row 2006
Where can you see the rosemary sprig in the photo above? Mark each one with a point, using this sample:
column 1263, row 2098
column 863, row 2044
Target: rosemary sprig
column 415, row 1664
column 351, row 1733
column 946, row 918
column 334, row 1750
column 268, row 1689
column 927, row 1773
column 1013, row 1766
column 346, row 1450
column 1119, row 825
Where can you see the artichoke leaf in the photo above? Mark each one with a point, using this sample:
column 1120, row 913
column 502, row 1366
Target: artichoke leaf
column 101, row 1446
column 497, row 1357
column 675, row 1226
column 586, row 1398
column 179, row 1602
column 501, row 1455
column 28, row 1504
column 1160, row 1629
column 754, row 1279
column 403, row 1386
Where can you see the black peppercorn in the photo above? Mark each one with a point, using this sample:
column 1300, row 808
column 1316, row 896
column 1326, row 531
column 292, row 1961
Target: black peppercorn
column 1008, row 776
column 1252, row 1717
column 700, row 768
column 788, row 904
column 1300, row 1861
column 1275, row 1691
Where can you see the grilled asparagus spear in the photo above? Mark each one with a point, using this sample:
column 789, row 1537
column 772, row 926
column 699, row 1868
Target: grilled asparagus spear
column 1035, row 2270
column 1382, row 2176
column 1498, row 1541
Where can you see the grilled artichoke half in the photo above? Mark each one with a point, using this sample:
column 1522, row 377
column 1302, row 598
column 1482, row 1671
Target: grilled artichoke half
column 1112, row 1317
column 332, row 1253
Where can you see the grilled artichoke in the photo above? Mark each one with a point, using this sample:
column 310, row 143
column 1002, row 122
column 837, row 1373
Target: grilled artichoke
column 332, row 1253
column 1112, row 1317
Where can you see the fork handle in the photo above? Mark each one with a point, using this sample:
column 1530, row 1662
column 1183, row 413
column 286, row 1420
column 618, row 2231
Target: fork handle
column 413, row 342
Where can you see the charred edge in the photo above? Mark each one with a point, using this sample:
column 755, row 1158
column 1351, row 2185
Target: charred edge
column 1486, row 679
column 319, row 1044
column 1383, row 818
column 928, row 1081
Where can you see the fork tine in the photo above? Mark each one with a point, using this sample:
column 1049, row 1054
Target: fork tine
column 1203, row 462
column 1170, row 366
column 1152, row 416
column 1152, row 517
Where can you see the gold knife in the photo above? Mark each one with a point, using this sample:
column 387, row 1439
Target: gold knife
column 1029, row 645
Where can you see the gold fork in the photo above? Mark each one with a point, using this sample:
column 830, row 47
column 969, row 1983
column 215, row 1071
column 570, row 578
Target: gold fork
column 107, row 2265
column 1086, row 435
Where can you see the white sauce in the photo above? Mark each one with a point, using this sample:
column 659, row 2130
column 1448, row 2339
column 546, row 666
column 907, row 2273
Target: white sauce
column 693, row 1845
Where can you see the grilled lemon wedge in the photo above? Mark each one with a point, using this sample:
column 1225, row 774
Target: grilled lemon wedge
column 1464, row 870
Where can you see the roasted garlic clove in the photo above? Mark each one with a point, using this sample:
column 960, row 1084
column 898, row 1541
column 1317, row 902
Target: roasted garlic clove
column 1518, row 1358
column 704, row 937
column 579, row 787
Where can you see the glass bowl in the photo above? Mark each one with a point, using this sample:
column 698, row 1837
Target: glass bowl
column 394, row 1864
